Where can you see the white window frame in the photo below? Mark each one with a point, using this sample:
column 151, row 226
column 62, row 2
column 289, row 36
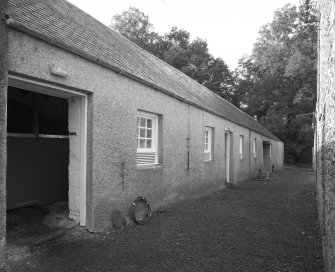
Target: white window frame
column 241, row 146
column 154, row 136
column 255, row 148
column 208, row 142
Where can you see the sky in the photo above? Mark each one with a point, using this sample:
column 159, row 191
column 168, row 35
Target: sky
column 229, row 26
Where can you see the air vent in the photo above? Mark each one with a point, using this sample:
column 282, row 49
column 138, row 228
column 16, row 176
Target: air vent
column 146, row 158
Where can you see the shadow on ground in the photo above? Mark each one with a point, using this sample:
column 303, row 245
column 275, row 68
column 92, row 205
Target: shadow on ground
column 255, row 226
column 31, row 226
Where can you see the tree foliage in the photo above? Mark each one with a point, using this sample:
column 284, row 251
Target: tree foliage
column 277, row 83
column 135, row 26
column 176, row 48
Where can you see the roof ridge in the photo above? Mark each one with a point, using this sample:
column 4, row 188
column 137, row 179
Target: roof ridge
column 180, row 72
column 108, row 48
column 75, row 7
column 160, row 60
column 94, row 19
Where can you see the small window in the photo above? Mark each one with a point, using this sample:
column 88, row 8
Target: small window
column 255, row 147
column 241, row 146
column 208, row 143
column 147, row 139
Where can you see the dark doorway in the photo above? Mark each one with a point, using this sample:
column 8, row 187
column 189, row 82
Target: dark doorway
column 37, row 149
column 266, row 156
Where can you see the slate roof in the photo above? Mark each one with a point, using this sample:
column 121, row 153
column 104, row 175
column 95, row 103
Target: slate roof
column 61, row 23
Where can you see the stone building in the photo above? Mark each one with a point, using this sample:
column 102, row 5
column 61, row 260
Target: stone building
column 94, row 120
column 325, row 131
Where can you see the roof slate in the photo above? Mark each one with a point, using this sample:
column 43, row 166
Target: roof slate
column 62, row 21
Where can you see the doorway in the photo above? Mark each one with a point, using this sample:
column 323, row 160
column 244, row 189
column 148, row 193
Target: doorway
column 267, row 156
column 37, row 149
column 46, row 157
column 228, row 156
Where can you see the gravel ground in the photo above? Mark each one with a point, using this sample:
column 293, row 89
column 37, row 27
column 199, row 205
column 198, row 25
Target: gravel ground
column 255, row 226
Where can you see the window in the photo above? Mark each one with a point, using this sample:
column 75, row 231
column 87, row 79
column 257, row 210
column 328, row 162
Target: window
column 208, row 143
column 255, row 147
column 241, row 146
column 147, row 139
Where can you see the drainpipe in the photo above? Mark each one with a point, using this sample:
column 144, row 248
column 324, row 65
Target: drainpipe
column 188, row 137
column 250, row 154
column 3, row 126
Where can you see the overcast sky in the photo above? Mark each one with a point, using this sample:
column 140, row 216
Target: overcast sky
column 229, row 26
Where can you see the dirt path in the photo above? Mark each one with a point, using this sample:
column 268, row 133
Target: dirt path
column 255, row 226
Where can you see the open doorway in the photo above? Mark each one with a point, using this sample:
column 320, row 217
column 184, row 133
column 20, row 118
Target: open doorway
column 267, row 156
column 37, row 149
column 46, row 155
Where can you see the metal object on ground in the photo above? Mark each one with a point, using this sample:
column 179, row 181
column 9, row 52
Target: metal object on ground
column 140, row 210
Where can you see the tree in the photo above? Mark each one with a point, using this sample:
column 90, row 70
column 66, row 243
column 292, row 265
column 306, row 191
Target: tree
column 278, row 81
column 136, row 26
column 176, row 48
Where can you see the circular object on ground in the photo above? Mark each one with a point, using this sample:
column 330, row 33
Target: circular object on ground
column 140, row 210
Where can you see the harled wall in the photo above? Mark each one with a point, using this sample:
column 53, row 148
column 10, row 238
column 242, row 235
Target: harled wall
column 325, row 131
column 3, row 128
column 114, row 180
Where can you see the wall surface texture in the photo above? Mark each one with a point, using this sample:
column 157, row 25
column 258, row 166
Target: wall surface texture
column 3, row 128
column 325, row 131
column 113, row 179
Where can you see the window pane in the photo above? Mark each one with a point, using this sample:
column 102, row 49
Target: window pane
column 148, row 143
column 138, row 132
column 142, row 122
column 149, row 123
column 138, row 121
column 142, row 143
column 142, row 132
column 149, row 133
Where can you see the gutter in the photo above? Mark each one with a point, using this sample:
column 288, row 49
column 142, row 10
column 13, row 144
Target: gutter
column 54, row 41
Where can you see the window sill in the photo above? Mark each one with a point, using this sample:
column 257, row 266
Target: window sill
column 209, row 161
column 152, row 166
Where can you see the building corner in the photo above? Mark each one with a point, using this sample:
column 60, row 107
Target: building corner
column 3, row 126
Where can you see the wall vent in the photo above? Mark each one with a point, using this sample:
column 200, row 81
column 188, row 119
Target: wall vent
column 146, row 158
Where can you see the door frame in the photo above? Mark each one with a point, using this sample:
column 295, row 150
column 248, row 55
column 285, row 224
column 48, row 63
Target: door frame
column 53, row 90
column 266, row 162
